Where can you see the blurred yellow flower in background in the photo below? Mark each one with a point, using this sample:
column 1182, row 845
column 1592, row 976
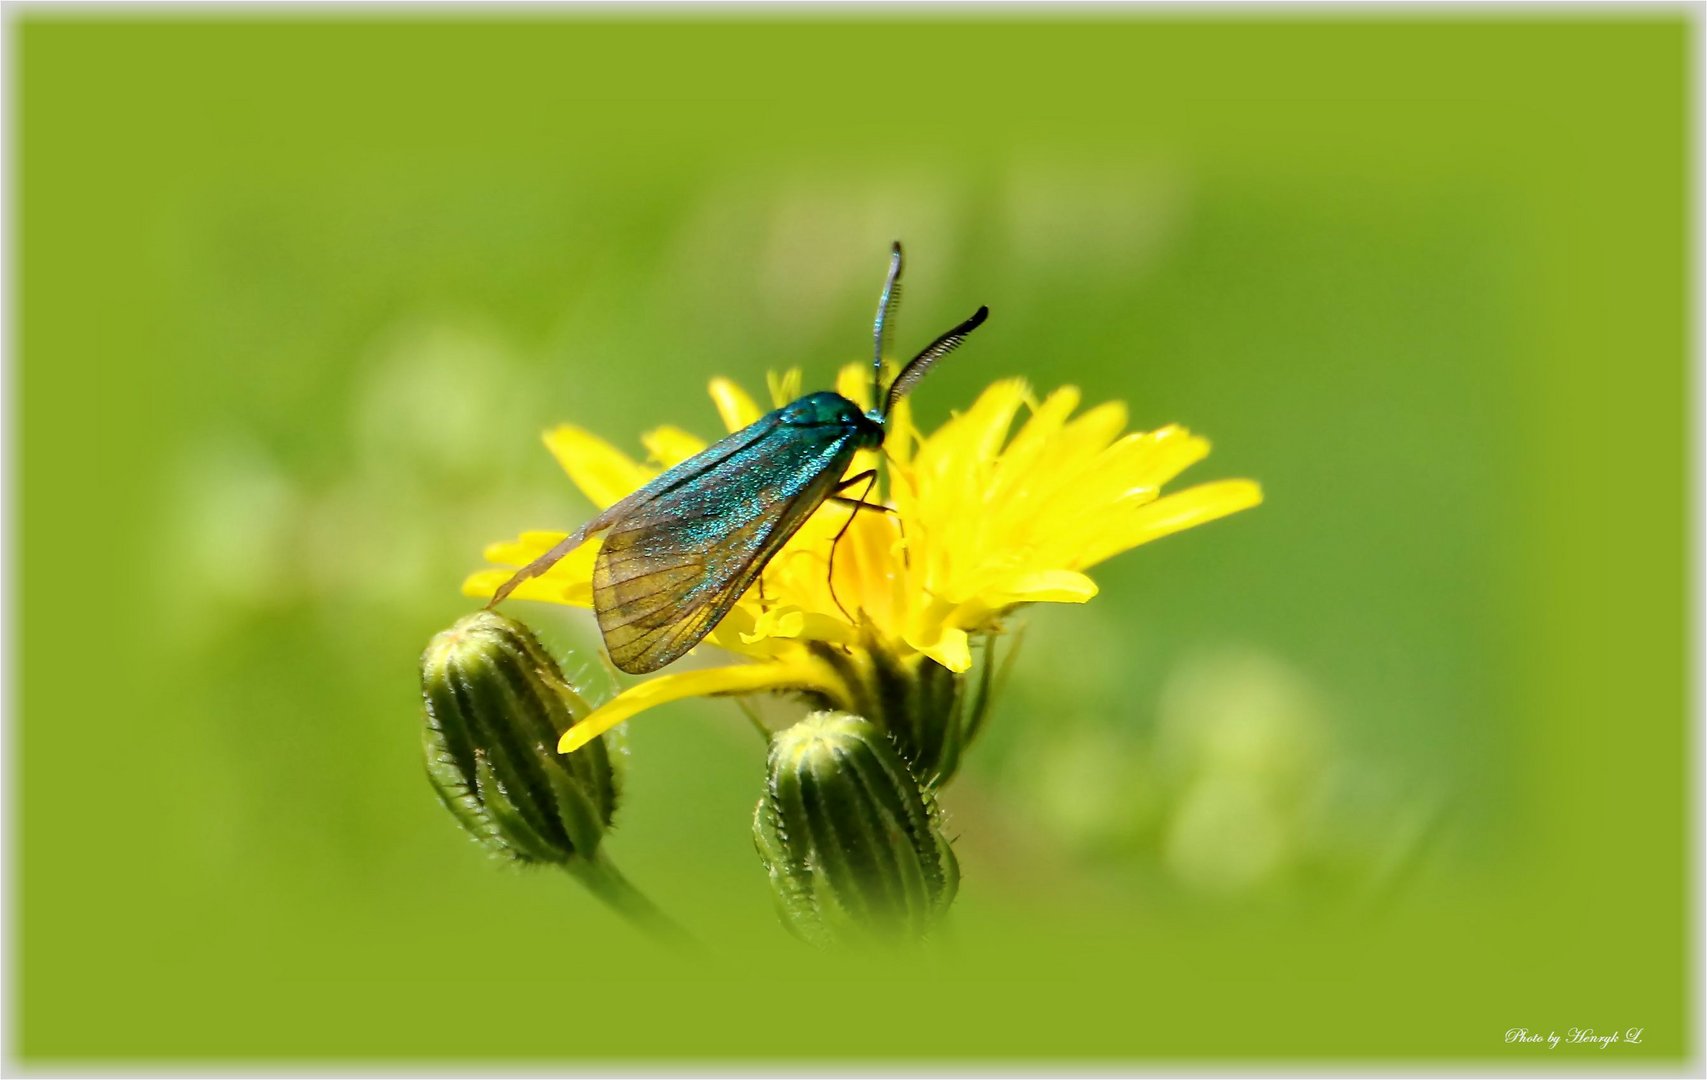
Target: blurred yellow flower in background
column 980, row 522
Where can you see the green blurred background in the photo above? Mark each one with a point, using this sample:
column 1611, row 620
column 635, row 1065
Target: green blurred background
column 1386, row 767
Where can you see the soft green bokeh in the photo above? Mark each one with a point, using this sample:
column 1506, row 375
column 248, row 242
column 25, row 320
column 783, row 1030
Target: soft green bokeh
column 1386, row 767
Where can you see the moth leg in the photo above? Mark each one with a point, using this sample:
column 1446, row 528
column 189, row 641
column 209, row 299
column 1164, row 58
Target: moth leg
column 870, row 478
column 857, row 505
column 764, row 605
column 906, row 556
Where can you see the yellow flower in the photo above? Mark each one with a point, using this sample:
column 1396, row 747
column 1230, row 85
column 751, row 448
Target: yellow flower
column 982, row 522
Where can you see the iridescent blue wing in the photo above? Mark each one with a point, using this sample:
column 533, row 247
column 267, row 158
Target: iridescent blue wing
column 658, row 487
column 677, row 559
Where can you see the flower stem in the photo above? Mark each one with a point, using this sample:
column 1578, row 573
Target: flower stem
column 605, row 881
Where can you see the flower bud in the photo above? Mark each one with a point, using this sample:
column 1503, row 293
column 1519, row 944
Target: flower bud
column 931, row 713
column 851, row 839
column 496, row 704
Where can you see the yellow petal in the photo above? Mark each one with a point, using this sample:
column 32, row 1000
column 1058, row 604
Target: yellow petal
column 777, row 622
column 554, row 590
column 483, row 583
column 733, row 405
column 903, row 435
column 1014, row 469
column 1046, row 586
column 569, row 581
column 1171, row 514
column 735, row 634
column 784, row 388
column 1093, row 429
column 671, row 445
column 524, row 549
column 602, row 472
column 853, row 382
column 953, row 650
column 816, row 626
column 1046, row 419
column 1122, row 476
column 1155, row 458
column 531, row 545
column 799, row 673
column 981, row 430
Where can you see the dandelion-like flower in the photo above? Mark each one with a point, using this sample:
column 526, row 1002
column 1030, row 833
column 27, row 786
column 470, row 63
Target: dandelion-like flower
column 982, row 518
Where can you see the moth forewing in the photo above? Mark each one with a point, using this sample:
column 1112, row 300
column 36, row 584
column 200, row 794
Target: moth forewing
column 674, row 566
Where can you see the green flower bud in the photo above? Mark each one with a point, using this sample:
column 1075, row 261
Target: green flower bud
column 932, row 713
column 851, row 839
column 496, row 704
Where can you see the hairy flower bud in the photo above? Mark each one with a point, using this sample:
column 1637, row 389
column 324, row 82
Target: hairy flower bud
column 850, row 837
column 496, row 704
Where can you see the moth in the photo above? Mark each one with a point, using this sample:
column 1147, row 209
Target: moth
column 680, row 551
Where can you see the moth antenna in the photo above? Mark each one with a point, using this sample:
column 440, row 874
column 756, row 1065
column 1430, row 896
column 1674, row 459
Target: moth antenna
column 936, row 350
column 888, row 303
column 563, row 547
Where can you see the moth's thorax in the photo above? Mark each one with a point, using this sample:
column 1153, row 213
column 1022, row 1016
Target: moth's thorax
column 826, row 408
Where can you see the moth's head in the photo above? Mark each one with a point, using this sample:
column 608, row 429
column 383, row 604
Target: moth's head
column 869, row 430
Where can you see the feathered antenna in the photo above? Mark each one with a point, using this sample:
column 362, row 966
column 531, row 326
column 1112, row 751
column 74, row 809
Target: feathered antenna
column 884, row 332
